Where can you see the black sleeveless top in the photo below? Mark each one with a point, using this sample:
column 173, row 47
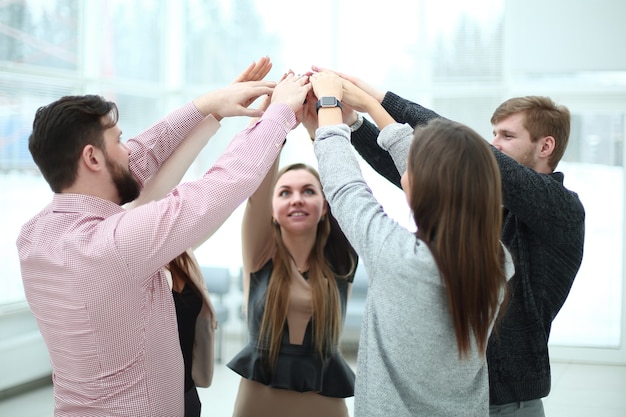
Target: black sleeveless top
column 299, row 367
column 188, row 305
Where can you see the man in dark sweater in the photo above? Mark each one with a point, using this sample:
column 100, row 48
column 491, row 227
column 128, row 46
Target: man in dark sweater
column 543, row 227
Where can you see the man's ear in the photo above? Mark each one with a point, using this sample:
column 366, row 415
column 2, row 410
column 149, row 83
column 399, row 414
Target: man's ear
column 92, row 158
column 547, row 146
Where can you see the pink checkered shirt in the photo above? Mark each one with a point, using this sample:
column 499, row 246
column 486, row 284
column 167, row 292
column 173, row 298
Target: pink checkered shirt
column 93, row 275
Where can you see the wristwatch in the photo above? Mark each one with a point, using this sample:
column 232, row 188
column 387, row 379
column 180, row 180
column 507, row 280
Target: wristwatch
column 327, row 102
column 356, row 125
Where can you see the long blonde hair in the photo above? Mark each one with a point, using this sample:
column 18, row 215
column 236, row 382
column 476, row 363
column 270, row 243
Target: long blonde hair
column 332, row 257
column 456, row 200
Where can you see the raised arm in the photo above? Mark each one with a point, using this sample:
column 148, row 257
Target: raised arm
column 364, row 137
column 360, row 216
column 364, row 142
column 359, row 98
column 175, row 167
column 519, row 181
column 150, row 149
column 394, row 138
column 256, row 230
column 257, row 241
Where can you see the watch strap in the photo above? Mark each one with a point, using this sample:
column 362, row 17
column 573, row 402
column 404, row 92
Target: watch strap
column 327, row 102
column 356, row 125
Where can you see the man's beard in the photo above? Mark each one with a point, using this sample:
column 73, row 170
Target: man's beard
column 127, row 185
column 528, row 159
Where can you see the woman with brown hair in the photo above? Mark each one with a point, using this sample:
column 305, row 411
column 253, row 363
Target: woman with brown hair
column 298, row 268
column 433, row 294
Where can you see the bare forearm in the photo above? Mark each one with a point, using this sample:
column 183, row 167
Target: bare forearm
column 378, row 113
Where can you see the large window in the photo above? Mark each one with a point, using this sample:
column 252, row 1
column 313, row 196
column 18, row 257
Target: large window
column 594, row 169
column 462, row 59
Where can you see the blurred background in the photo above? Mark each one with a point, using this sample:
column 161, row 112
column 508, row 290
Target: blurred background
column 459, row 58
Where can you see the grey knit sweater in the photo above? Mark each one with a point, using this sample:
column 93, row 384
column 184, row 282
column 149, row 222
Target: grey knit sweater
column 544, row 228
column 408, row 362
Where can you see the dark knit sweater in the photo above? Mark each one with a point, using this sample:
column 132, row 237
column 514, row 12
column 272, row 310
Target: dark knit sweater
column 543, row 228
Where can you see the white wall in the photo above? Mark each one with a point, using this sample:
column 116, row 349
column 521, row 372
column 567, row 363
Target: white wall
column 564, row 36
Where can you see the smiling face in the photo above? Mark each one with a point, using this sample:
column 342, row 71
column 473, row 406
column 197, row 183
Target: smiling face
column 298, row 202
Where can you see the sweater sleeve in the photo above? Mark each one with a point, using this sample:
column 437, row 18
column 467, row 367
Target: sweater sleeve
column 526, row 193
column 406, row 111
column 364, row 138
column 396, row 139
column 357, row 211
column 364, row 141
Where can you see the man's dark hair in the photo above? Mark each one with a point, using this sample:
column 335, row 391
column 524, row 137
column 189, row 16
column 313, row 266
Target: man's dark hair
column 62, row 129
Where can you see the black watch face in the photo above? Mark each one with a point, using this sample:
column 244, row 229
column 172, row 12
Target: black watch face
column 328, row 101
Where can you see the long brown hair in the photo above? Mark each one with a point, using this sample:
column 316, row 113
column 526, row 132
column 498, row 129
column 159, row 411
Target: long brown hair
column 456, row 199
column 181, row 268
column 332, row 256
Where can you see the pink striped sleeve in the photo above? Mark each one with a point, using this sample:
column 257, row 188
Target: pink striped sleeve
column 157, row 232
column 151, row 148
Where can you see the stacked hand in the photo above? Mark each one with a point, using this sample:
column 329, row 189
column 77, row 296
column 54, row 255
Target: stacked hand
column 309, row 114
column 255, row 71
column 327, row 83
column 355, row 95
column 299, row 92
column 292, row 90
column 235, row 99
column 378, row 95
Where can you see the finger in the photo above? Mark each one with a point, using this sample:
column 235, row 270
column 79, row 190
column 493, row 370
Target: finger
column 290, row 76
column 265, row 67
column 302, row 79
column 338, row 73
column 265, row 102
column 253, row 94
column 321, row 69
column 260, row 85
column 263, row 71
column 251, row 112
column 245, row 75
column 262, row 68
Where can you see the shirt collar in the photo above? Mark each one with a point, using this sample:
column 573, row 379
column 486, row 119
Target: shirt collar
column 82, row 203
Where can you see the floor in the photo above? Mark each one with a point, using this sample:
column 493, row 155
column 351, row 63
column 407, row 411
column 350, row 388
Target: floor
column 577, row 391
